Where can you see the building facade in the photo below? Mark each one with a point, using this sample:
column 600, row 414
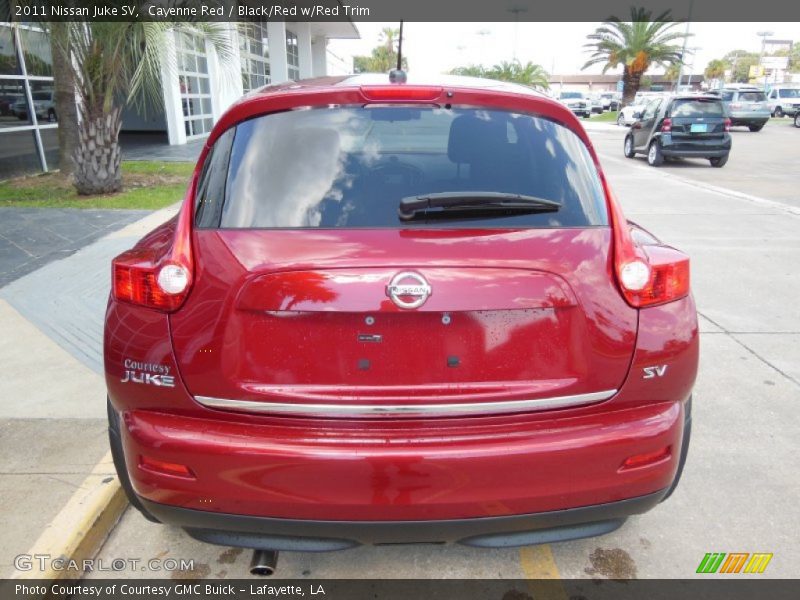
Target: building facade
column 197, row 85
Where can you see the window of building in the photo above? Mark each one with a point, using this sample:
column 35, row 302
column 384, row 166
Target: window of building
column 292, row 55
column 28, row 113
column 254, row 55
column 195, row 85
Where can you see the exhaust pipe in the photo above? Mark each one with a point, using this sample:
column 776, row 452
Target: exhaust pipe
column 263, row 562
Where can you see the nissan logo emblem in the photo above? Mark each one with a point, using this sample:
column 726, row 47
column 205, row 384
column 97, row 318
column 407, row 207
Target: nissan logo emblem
column 408, row 290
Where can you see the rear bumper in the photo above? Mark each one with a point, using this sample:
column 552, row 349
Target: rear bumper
column 749, row 117
column 263, row 533
column 688, row 147
column 429, row 471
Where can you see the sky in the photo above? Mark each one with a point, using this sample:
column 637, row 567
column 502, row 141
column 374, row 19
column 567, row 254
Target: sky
column 433, row 48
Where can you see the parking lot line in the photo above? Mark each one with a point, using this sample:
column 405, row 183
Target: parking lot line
column 540, row 569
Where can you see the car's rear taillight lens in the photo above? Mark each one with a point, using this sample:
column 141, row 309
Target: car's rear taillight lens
column 161, row 286
column 666, row 125
column 648, row 274
column 662, row 277
column 727, row 124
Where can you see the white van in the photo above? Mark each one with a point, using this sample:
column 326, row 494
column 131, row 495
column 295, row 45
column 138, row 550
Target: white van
column 784, row 100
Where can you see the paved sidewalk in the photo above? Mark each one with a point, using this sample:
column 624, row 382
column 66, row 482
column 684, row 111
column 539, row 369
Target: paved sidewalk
column 32, row 237
column 52, row 392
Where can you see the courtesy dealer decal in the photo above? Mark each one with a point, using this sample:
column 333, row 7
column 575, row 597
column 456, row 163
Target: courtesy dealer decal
column 147, row 373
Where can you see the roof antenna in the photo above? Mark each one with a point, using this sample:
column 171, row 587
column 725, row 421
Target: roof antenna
column 398, row 75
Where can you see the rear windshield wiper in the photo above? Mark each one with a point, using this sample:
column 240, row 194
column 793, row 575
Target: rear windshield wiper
column 454, row 204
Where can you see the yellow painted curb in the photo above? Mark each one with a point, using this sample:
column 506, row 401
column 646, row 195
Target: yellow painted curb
column 77, row 532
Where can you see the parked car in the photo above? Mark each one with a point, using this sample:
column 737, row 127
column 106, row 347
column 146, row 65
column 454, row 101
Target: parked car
column 610, row 100
column 797, row 119
column 43, row 103
column 267, row 387
column 7, row 102
column 681, row 126
column 597, row 104
column 784, row 100
column 578, row 102
column 746, row 106
column 628, row 114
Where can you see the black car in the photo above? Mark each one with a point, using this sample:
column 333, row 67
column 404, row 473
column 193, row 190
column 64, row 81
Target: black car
column 682, row 126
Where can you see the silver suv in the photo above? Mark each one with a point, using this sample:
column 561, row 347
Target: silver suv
column 746, row 105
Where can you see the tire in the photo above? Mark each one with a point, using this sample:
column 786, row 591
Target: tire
column 718, row 161
column 654, row 156
column 627, row 147
column 797, row 119
column 778, row 112
column 755, row 128
column 620, row 120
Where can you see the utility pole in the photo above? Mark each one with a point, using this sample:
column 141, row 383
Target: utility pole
column 685, row 42
column 516, row 10
column 763, row 35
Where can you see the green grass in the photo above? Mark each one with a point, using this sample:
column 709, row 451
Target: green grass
column 147, row 185
column 610, row 116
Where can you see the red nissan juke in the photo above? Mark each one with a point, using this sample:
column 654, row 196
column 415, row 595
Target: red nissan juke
column 398, row 313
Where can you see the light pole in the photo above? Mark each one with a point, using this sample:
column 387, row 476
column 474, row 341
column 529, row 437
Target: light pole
column 685, row 41
column 693, row 50
column 763, row 35
column 516, row 10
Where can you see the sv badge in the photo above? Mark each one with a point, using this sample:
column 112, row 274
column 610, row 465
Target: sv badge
column 656, row 371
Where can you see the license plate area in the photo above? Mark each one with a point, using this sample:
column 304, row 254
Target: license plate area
column 699, row 128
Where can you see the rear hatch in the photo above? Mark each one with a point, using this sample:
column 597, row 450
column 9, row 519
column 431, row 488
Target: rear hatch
column 311, row 293
column 697, row 119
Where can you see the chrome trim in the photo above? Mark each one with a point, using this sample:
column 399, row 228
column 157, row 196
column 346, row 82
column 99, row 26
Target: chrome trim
column 403, row 410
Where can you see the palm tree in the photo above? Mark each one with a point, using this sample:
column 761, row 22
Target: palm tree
column 383, row 57
column 529, row 74
column 111, row 65
column 636, row 45
column 716, row 69
column 672, row 73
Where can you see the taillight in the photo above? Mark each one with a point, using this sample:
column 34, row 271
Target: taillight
column 136, row 279
column 727, row 124
column 666, row 125
column 648, row 275
column 662, row 276
column 401, row 92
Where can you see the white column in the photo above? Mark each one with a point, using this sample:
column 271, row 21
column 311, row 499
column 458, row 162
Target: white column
column 173, row 109
column 278, row 66
column 319, row 57
column 303, row 31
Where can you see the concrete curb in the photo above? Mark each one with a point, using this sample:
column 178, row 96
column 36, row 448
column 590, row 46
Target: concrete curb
column 80, row 528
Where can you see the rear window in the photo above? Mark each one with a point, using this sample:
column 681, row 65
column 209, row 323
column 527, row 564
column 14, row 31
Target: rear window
column 570, row 95
column 752, row 97
column 350, row 167
column 693, row 107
